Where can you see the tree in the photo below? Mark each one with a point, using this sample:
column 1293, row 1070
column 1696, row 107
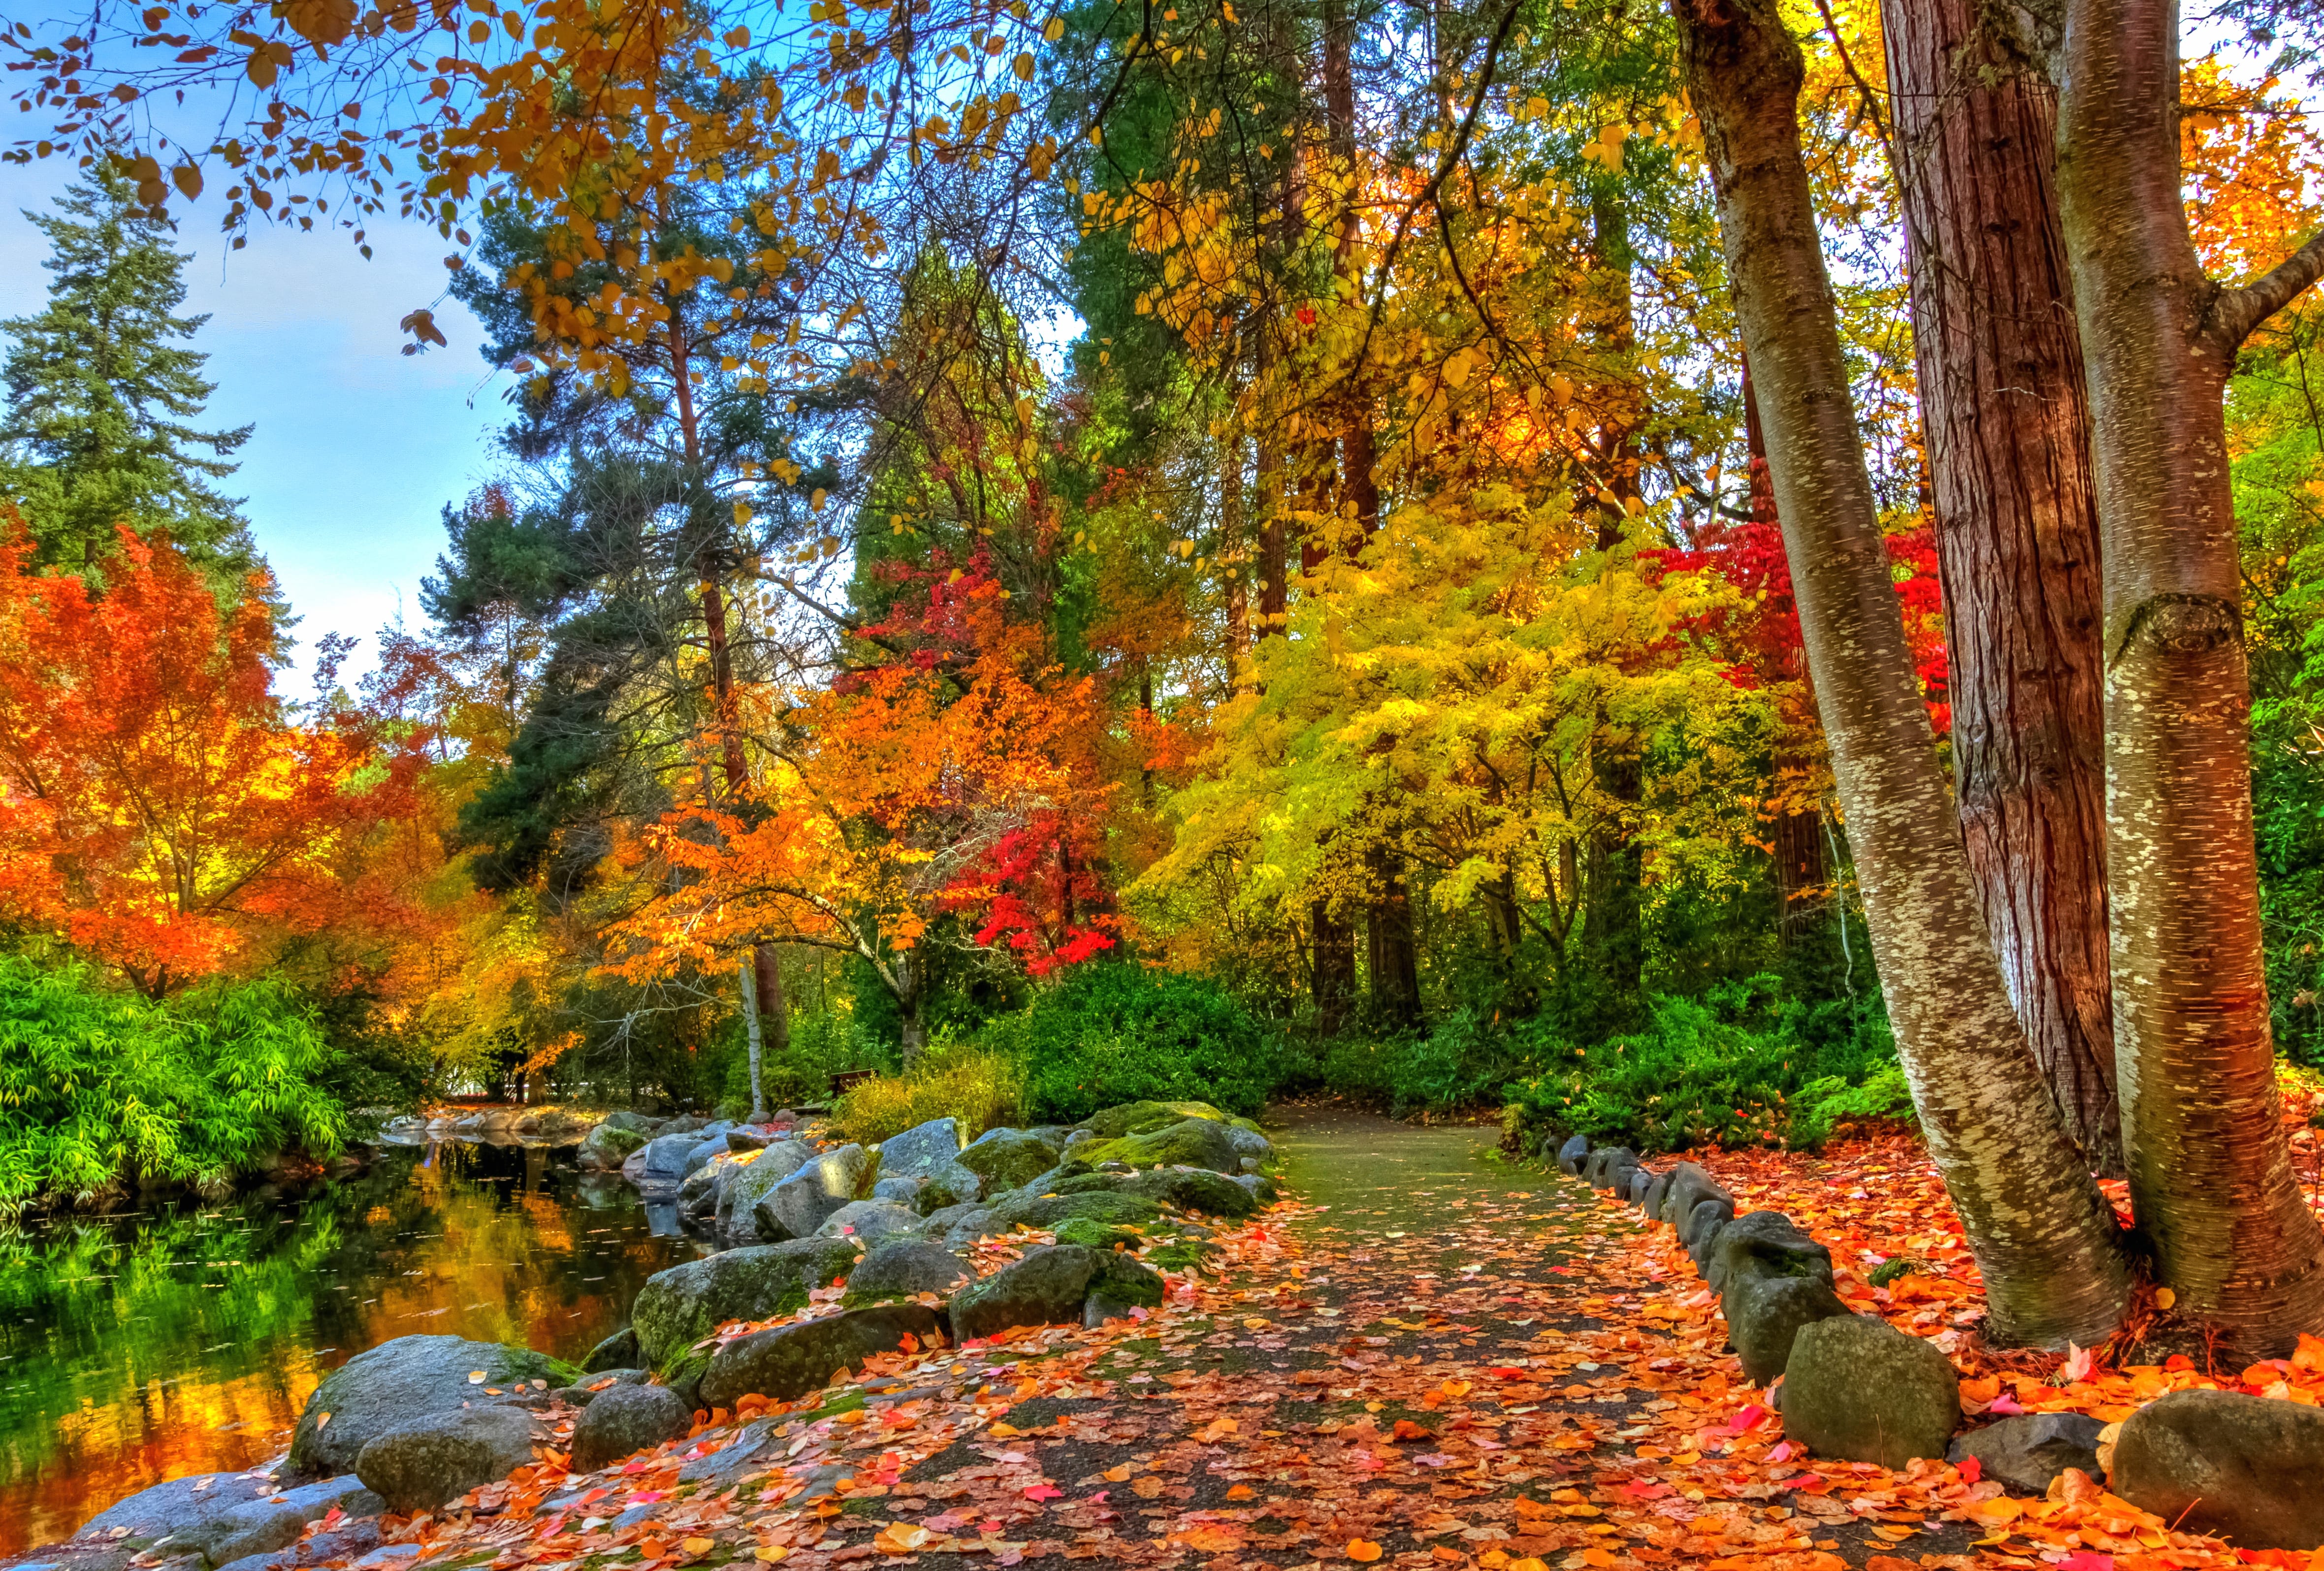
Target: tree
column 2042, row 1232
column 102, row 394
column 2211, row 1178
column 2008, row 424
column 163, row 813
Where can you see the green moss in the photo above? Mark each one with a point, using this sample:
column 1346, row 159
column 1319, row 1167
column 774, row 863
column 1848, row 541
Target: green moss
column 1194, row 1141
column 1190, row 1254
column 1094, row 1235
column 1146, row 1118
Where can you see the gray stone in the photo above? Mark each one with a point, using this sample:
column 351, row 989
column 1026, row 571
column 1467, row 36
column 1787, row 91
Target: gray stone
column 1190, row 1189
column 745, row 1452
column 949, row 1184
column 1690, row 1186
column 1859, row 1389
column 1707, row 1218
column 900, row 1190
column 594, row 1386
column 388, row 1386
column 2026, row 1453
column 618, row 1351
column 1101, row 1306
column 1005, row 1158
column 1145, row 1118
column 442, row 1457
column 625, row 1419
column 922, row 1149
column 870, row 1221
column 2245, row 1467
column 666, row 1158
column 1095, row 1206
column 1651, row 1200
column 623, row 1119
column 902, row 1267
column 1573, row 1153
column 1641, row 1178
column 1765, row 1244
column 605, row 1148
column 800, row 1204
column 680, row 1307
column 1250, row 1144
column 789, row 1361
column 1189, row 1142
column 1606, row 1162
column 1765, row 1313
column 753, row 1182
column 1050, row 1287
column 224, row 1516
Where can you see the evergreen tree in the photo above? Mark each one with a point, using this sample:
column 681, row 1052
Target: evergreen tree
column 102, row 391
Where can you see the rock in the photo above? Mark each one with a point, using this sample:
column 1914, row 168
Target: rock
column 623, row 1119
column 1706, row 1219
column 224, row 1516
column 618, row 1351
column 869, row 1221
column 2222, row 1461
column 624, row 1420
column 749, row 1137
column 1690, row 1186
column 1765, row 1313
column 595, row 1385
column 743, row 1456
column 1095, row 1206
column 1572, row 1154
column 1049, row 1287
column 1101, row 1306
column 922, row 1149
column 2026, row 1453
column 1092, row 1235
column 1189, row 1142
column 1250, row 1144
column 949, row 1184
column 704, row 1151
column 680, row 1307
column 902, row 1267
column 665, row 1159
column 800, row 1204
column 753, row 1181
column 605, row 1148
column 1765, row 1244
column 442, row 1457
column 1641, row 1179
column 1605, row 1162
column 1188, row 1188
column 388, row 1386
column 1651, row 1201
column 896, row 1190
column 1145, row 1118
column 354, row 1536
column 789, row 1361
column 1003, row 1159
column 1859, row 1389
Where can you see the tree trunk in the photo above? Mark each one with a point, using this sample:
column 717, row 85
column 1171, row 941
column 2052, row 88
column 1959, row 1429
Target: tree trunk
column 1335, row 968
column 2042, row 1234
column 751, row 1035
column 1233, row 569
column 1391, row 957
column 2007, row 428
column 2210, row 1173
column 767, row 973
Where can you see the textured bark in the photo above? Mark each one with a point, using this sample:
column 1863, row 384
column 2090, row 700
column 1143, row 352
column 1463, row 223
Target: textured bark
column 1334, row 979
column 1801, row 869
column 2008, row 424
column 1233, row 568
column 1391, row 958
column 2042, row 1232
column 752, row 1039
column 2210, row 1173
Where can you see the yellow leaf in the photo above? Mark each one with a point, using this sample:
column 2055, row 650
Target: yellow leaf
column 1056, row 30
column 1023, row 66
column 1456, row 369
column 1117, row 1475
column 771, row 1553
column 815, row 502
column 188, row 181
column 475, row 1377
column 2164, row 1298
column 741, row 513
column 698, row 1548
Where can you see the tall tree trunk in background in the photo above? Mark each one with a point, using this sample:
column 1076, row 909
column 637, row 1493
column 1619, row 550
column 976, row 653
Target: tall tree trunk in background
column 2008, row 424
column 2043, row 1235
column 2210, row 1173
column 1359, row 453
column 1234, row 570
column 1334, row 980
column 754, row 1042
column 1391, row 950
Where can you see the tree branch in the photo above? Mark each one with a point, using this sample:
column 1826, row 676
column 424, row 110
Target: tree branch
column 2236, row 314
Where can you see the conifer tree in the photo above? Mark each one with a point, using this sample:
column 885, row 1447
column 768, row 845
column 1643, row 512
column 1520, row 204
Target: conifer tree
column 104, row 391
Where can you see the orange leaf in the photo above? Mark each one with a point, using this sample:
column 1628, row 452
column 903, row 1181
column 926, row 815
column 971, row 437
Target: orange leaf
column 1363, row 1550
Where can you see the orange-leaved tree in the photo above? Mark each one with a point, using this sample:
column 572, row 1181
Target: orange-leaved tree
column 161, row 809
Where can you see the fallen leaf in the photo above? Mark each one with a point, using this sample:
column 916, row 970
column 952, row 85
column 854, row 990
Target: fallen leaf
column 1362, row 1549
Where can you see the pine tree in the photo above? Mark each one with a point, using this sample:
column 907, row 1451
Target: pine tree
column 101, row 393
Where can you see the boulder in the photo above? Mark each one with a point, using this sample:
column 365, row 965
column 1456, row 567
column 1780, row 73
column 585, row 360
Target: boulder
column 443, row 1456
column 1765, row 1313
column 666, row 1159
column 1572, row 1154
column 1050, row 1287
column 2245, row 1467
column 1859, row 1389
column 902, row 1267
column 895, row 1188
column 227, row 1516
column 1704, row 1223
column 618, row 1351
column 1145, row 1118
column 1189, row 1142
column 1765, row 1244
column 1003, row 1159
column 870, row 1221
column 1650, row 1200
column 752, row 1182
column 1096, row 1206
column 1092, row 1235
column 2026, row 1453
column 1690, row 1186
column 627, row 1419
column 789, row 1361
column 1250, row 1144
column 1608, row 1161
column 623, row 1118
column 800, row 1204
column 1190, row 1189
column 592, row 1386
column 388, row 1386
column 920, row 1150
column 605, row 1148
column 950, row 1184
column 680, row 1307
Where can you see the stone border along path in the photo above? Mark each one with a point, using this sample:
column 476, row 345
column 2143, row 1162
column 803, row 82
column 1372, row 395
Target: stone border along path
column 1500, row 1380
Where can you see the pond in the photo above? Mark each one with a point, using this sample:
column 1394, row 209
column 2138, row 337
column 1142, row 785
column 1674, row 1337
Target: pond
column 185, row 1336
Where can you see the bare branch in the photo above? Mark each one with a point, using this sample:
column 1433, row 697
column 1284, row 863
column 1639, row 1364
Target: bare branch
column 2236, row 314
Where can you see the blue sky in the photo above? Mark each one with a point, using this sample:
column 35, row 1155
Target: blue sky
column 358, row 446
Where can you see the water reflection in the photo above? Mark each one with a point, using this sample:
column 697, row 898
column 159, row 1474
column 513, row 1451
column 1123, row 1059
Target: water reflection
column 184, row 1338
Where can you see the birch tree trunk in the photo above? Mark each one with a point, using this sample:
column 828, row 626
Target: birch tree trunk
column 2210, row 1173
column 2008, row 425
column 2044, row 1235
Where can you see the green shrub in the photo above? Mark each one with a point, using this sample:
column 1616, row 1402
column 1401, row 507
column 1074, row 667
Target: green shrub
column 981, row 1088
column 822, row 1045
column 1823, row 1106
column 1466, row 1062
column 96, row 1087
column 1115, row 1032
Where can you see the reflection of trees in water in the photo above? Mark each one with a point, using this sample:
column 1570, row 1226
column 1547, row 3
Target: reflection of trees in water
column 180, row 1337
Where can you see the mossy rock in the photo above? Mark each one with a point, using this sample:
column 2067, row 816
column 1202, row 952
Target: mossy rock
column 1183, row 1255
column 1006, row 1158
column 1104, row 1206
column 787, row 1362
column 680, row 1307
column 1189, row 1142
column 1146, row 1118
column 1050, row 1287
column 400, row 1382
column 1092, row 1235
column 1188, row 1188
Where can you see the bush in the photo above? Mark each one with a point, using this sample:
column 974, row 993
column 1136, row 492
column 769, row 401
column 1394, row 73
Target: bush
column 1698, row 1079
column 822, row 1045
column 96, row 1087
column 981, row 1088
column 1466, row 1062
column 1115, row 1032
